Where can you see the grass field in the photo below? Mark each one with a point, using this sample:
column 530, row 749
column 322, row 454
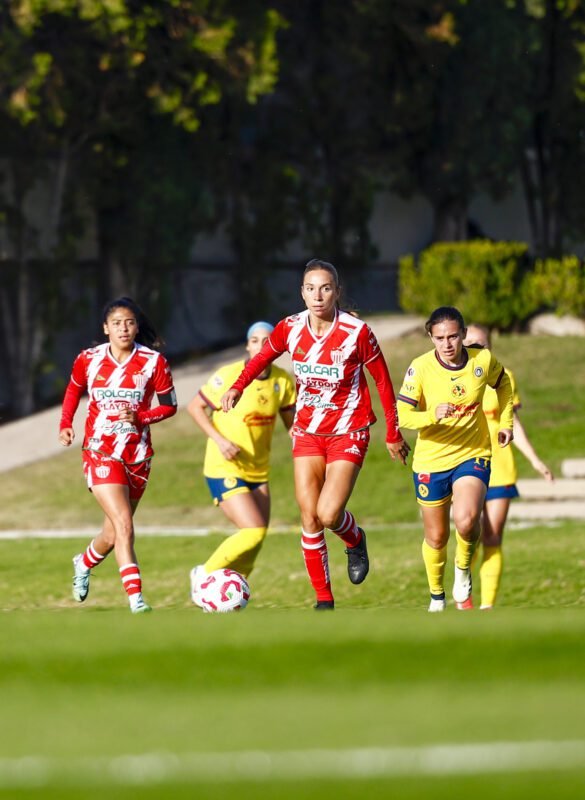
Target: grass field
column 377, row 700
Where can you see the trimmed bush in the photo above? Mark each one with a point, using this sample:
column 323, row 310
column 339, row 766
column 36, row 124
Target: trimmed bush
column 559, row 285
column 485, row 280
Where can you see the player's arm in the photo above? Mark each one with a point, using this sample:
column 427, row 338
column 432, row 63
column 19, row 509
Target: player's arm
column 287, row 415
column 73, row 394
column 524, row 444
column 503, row 387
column 199, row 409
column 410, row 415
column 166, row 395
column 395, row 444
column 274, row 347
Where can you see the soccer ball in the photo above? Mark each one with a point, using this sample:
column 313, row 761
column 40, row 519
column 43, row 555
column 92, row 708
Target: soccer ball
column 223, row 590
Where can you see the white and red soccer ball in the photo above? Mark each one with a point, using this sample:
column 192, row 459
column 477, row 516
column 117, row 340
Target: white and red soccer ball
column 223, row 590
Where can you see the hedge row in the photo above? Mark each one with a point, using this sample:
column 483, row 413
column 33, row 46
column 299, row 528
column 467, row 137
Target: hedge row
column 493, row 283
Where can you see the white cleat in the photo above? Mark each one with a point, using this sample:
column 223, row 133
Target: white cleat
column 462, row 587
column 80, row 579
column 437, row 604
column 196, row 576
column 140, row 606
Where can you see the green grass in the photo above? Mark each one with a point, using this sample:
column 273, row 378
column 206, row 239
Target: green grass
column 93, row 682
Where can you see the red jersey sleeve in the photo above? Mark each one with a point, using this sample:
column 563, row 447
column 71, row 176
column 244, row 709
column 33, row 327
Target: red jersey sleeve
column 379, row 371
column 74, row 392
column 274, row 347
column 164, row 388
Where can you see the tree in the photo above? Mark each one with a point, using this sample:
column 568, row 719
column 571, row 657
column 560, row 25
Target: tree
column 92, row 84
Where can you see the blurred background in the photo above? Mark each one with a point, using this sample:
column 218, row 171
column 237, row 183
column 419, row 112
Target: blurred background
column 195, row 153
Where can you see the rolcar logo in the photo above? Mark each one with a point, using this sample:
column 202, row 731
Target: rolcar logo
column 318, row 370
column 117, row 394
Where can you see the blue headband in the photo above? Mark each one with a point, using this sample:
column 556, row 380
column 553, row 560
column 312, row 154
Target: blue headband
column 256, row 325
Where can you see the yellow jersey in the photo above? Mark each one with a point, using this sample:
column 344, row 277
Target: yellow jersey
column 444, row 444
column 249, row 425
column 504, row 472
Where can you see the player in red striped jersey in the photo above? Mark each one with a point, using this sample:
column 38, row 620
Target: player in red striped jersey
column 329, row 349
column 121, row 377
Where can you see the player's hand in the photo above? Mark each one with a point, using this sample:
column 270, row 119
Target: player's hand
column 541, row 467
column 505, row 436
column 128, row 415
column 66, row 436
column 230, row 399
column 228, row 449
column 444, row 410
column 398, row 450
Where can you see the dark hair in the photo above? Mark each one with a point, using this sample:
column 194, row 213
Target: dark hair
column 318, row 263
column 147, row 334
column 442, row 314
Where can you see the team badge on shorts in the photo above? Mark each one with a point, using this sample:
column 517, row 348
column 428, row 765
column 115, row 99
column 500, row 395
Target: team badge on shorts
column 423, row 490
column 230, row 483
column 102, row 471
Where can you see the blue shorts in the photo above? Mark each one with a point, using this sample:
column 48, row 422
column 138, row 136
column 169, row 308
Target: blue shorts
column 436, row 488
column 498, row 492
column 222, row 488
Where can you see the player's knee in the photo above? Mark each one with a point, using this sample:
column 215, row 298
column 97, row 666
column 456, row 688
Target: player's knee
column 467, row 523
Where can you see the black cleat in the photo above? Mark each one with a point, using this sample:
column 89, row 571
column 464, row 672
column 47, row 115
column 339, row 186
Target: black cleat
column 324, row 605
column 358, row 563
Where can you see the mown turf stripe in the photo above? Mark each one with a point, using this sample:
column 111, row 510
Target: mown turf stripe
column 259, row 766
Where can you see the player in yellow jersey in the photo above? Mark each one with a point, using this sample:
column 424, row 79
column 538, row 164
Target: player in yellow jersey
column 502, row 487
column 441, row 397
column 237, row 456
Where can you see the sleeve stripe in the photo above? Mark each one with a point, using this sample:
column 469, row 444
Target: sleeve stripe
column 501, row 375
column 408, row 400
column 208, row 401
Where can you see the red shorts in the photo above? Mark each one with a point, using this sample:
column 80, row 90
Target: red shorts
column 335, row 447
column 100, row 470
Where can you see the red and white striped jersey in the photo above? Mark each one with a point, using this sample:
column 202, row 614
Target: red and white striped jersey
column 111, row 387
column 332, row 390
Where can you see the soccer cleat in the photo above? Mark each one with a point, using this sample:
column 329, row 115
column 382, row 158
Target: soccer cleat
column 485, row 608
column 358, row 563
column 197, row 575
column 466, row 605
column 437, row 604
column 324, row 605
column 80, row 579
column 462, row 586
column 140, row 607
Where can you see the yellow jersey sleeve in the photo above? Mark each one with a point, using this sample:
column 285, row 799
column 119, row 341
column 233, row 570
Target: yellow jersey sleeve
column 411, row 406
column 250, row 425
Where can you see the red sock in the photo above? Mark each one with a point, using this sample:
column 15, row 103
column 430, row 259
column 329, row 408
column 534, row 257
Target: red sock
column 131, row 580
column 317, row 563
column 91, row 557
column 348, row 531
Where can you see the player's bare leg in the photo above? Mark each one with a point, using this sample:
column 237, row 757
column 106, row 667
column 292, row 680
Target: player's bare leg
column 114, row 500
column 309, row 474
column 436, row 524
column 468, row 499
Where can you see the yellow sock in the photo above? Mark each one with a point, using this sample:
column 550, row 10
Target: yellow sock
column 463, row 552
column 237, row 552
column 490, row 574
column 435, row 561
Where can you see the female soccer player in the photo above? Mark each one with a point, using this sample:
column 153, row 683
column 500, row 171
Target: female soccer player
column 502, row 487
column 237, row 456
column 441, row 398
column 120, row 376
column 329, row 349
